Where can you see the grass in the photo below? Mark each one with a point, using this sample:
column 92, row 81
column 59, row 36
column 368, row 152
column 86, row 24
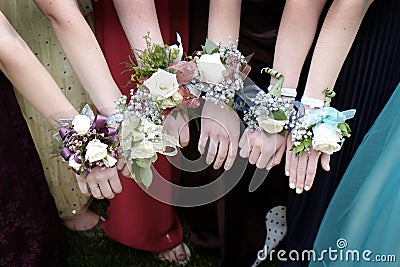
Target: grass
column 99, row 251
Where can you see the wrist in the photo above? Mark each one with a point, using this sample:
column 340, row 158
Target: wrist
column 312, row 103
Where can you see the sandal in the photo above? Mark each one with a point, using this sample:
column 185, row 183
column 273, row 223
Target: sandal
column 175, row 258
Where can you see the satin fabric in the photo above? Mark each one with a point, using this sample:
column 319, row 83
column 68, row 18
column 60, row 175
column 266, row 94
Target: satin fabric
column 134, row 218
column 368, row 78
column 364, row 214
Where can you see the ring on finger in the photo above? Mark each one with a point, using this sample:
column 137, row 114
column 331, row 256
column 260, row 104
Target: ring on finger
column 94, row 188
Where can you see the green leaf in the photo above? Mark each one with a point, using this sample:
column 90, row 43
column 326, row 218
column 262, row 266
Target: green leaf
column 135, row 169
column 279, row 115
column 209, row 47
column 345, row 129
column 307, row 143
column 143, row 163
column 146, row 176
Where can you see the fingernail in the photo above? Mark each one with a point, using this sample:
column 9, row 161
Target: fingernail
column 298, row 191
column 328, row 167
column 287, row 173
column 292, row 185
column 306, row 188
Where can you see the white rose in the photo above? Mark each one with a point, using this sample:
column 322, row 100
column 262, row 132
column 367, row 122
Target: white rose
column 326, row 139
column 270, row 125
column 81, row 124
column 150, row 129
column 162, row 84
column 95, row 151
column 73, row 164
column 144, row 150
column 211, row 68
column 109, row 161
column 168, row 103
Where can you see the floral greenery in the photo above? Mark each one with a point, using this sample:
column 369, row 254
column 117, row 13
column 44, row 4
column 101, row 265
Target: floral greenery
column 151, row 59
column 307, row 129
column 270, row 112
column 220, row 74
column 89, row 141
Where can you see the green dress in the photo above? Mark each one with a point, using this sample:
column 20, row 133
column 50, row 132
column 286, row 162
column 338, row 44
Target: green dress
column 36, row 30
column 362, row 221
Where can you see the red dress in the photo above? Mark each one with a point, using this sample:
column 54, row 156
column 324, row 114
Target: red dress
column 134, row 218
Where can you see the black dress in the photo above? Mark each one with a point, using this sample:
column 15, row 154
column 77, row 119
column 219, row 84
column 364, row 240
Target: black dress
column 31, row 233
column 240, row 230
column 369, row 76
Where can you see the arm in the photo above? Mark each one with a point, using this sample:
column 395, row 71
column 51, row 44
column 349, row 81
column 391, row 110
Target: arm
column 36, row 84
column 138, row 17
column 296, row 34
column 224, row 20
column 337, row 34
column 222, row 130
column 83, row 52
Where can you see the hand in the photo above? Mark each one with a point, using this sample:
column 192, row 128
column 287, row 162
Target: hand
column 262, row 150
column 100, row 182
column 178, row 127
column 123, row 167
column 221, row 126
column 302, row 169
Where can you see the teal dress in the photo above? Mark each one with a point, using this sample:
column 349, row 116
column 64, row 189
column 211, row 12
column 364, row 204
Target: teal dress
column 364, row 215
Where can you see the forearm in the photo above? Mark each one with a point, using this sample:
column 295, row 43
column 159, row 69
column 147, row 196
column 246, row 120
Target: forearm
column 337, row 35
column 30, row 78
column 138, row 17
column 224, row 20
column 295, row 36
column 83, row 51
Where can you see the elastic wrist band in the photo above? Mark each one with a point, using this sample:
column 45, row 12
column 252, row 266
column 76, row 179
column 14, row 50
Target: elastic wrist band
column 312, row 102
column 291, row 92
column 286, row 91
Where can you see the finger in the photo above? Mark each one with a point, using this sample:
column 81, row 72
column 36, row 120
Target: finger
column 325, row 159
column 94, row 187
column 212, row 151
column 127, row 172
column 301, row 172
column 311, row 169
column 221, row 155
column 115, row 183
column 289, row 155
column 202, row 143
column 232, row 153
column 120, row 163
column 82, row 185
column 292, row 170
column 277, row 158
column 106, row 190
column 254, row 154
column 264, row 158
column 244, row 146
column 184, row 135
column 244, row 139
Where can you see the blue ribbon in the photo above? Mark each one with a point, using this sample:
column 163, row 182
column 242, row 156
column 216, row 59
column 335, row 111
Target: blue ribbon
column 330, row 116
column 243, row 100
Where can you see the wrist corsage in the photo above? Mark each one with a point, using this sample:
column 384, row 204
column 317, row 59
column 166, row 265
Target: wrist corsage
column 163, row 83
column 141, row 136
column 161, row 72
column 222, row 70
column 324, row 129
column 89, row 141
column 268, row 111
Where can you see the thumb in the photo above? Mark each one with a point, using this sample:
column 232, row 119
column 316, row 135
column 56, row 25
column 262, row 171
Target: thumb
column 325, row 159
